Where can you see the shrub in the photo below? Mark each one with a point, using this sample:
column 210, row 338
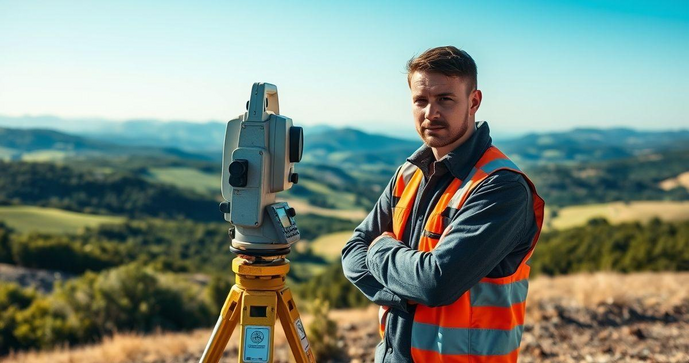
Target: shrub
column 83, row 310
column 322, row 333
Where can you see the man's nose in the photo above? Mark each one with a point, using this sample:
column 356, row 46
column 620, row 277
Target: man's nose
column 432, row 111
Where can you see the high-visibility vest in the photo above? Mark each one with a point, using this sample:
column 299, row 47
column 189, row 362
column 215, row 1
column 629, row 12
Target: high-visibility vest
column 485, row 324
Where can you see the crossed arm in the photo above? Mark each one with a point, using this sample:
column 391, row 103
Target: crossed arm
column 354, row 253
column 492, row 224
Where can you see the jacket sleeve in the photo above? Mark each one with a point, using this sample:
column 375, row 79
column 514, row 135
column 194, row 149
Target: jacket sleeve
column 354, row 253
column 491, row 225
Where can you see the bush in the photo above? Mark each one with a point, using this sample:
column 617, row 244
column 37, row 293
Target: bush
column 5, row 254
column 322, row 334
column 83, row 310
column 217, row 290
column 627, row 247
column 13, row 299
column 332, row 287
column 62, row 253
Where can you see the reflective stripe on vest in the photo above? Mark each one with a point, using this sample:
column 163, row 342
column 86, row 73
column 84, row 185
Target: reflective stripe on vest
column 408, row 178
column 485, row 324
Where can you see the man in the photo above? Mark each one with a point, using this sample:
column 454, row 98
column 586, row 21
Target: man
column 445, row 250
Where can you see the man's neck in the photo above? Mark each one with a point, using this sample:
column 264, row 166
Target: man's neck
column 440, row 152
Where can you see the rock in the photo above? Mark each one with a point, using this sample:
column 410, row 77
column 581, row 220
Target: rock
column 639, row 333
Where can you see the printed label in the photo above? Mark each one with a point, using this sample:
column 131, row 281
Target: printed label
column 256, row 343
column 302, row 334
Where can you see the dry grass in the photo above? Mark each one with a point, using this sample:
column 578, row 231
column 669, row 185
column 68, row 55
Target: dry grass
column 681, row 180
column 330, row 245
column 578, row 290
column 123, row 348
column 664, row 288
column 132, row 347
column 618, row 212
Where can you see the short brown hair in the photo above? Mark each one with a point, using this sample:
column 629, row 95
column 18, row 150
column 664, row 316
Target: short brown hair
column 448, row 60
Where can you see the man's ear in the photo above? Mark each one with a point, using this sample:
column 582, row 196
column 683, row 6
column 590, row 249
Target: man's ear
column 475, row 99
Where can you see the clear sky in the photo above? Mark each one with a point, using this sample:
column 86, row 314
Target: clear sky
column 543, row 65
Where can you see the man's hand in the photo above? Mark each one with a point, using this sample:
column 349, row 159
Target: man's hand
column 385, row 234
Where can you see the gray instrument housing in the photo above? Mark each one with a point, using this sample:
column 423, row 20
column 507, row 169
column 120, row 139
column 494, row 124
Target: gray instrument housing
column 261, row 137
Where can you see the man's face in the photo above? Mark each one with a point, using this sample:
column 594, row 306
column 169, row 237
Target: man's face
column 443, row 108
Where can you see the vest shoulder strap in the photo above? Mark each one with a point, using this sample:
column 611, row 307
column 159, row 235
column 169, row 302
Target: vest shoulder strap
column 403, row 176
column 492, row 161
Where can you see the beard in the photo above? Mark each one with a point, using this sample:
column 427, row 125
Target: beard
column 440, row 133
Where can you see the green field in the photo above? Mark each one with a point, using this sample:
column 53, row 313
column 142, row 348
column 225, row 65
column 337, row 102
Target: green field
column 50, row 220
column 188, row 178
column 338, row 199
column 45, row 155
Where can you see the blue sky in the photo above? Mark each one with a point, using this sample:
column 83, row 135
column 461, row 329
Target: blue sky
column 543, row 65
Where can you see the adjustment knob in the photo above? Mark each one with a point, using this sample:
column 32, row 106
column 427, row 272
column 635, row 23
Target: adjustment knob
column 224, row 207
column 291, row 212
column 294, row 178
column 238, row 172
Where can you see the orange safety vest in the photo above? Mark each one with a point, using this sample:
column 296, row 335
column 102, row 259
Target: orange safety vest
column 485, row 324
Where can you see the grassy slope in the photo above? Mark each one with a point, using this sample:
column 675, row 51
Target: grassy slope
column 303, row 207
column 341, row 200
column 619, row 212
column 45, row 155
column 191, row 178
column 330, row 245
column 50, row 220
column 681, row 180
column 186, row 177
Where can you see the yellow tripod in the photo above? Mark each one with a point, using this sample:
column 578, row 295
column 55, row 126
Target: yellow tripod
column 258, row 295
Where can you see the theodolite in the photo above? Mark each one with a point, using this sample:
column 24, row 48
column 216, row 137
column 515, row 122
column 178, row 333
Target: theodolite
column 260, row 151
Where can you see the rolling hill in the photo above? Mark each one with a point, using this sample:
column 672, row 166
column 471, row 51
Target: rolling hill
column 23, row 144
column 345, row 169
column 580, row 145
column 325, row 144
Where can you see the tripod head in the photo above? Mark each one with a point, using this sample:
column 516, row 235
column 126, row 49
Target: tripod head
column 261, row 148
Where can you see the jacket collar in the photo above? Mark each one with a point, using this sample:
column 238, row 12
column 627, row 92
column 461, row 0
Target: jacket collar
column 459, row 161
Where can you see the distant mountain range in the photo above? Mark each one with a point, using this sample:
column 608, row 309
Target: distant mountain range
column 586, row 144
column 347, row 147
column 16, row 144
column 190, row 136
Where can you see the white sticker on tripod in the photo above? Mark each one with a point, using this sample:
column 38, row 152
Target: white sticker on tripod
column 256, row 343
column 302, row 334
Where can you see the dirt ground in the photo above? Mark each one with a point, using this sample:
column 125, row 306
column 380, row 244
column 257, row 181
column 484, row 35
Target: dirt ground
column 599, row 317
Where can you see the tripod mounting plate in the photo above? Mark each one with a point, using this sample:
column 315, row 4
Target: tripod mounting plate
column 261, row 253
column 247, row 269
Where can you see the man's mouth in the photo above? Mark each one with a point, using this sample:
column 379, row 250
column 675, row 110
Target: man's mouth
column 434, row 127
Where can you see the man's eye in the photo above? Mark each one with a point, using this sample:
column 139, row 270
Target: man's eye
column 420, row 101
column 446, row 99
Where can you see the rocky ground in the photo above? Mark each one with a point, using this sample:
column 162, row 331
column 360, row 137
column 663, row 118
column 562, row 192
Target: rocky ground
column 580, row 318
column 609, row 332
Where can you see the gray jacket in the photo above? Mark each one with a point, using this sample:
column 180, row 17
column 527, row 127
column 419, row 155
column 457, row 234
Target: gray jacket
column 491, row 235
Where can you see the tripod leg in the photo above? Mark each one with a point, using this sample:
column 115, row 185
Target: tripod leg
column 257, row 326
column 229, row 316
column 293, row 327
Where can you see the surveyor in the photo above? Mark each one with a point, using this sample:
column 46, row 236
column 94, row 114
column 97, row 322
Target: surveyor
column 445, row 251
